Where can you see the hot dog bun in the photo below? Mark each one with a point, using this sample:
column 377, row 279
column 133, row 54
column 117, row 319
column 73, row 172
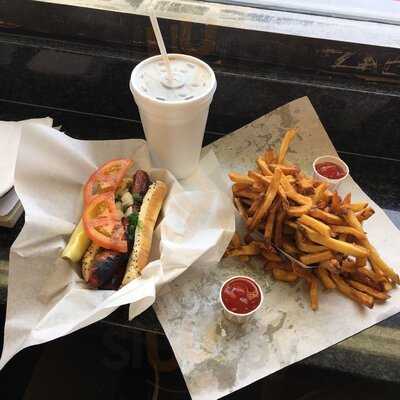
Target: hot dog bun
column 148, row 215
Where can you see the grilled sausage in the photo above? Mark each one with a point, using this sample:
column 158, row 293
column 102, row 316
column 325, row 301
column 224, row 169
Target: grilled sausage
column 141, row 183
column 105, row 264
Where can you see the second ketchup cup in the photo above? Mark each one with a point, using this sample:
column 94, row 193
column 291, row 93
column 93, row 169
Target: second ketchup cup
column 240, row 297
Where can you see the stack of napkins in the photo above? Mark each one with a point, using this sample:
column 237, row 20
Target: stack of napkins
column 10, row 133
column 10, row 209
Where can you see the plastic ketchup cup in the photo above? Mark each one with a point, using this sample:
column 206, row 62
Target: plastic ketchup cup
column 240, row 297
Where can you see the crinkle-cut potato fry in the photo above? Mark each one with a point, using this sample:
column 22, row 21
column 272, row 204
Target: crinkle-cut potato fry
column 297, row 211
column 289, row 136
column 318, row 226
column 325, row 278
column 334, row 244
column 354, row 294
column 306, row 246
column 268, row 199
column 238, row 178
column 264, row 167
column 365, row 214
column 326, row 217
column 349, row 230
column 284, row 276
column 315, row 258
column 368, row 290
column 246, row 250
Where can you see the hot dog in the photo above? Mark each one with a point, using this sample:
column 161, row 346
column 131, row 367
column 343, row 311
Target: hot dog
column 132, row 219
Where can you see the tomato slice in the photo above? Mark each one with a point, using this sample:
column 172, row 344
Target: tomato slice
column 106, row 178
column 103, row 224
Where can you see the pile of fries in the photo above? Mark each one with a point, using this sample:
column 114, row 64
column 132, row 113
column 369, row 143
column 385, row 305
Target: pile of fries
column 301, row 216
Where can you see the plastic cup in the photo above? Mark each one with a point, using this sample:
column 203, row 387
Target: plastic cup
column 174, row 113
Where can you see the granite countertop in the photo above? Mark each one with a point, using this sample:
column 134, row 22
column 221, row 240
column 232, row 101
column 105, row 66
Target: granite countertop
column 378, row 177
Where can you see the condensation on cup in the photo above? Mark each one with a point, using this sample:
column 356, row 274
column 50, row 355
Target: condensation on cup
column 174, row 113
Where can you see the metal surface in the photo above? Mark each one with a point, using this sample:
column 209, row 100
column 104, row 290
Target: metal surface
column 235, row 16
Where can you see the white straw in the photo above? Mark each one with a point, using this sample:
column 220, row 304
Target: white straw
column 161, row 44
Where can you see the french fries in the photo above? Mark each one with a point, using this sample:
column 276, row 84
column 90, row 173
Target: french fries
column 269, row 198
column 319, row 228
column 326, row 217
column 349, row 230
column 325, row 278
column 285, row 276
column 315, row 258
column 289, row 136
column 305, row 245
column 334, row 244
column 269, row 226
column 352, row 293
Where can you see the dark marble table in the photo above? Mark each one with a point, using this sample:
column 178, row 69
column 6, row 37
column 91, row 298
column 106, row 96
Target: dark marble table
column 373, row 353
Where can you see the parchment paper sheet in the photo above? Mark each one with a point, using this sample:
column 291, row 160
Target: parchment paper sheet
column 217, row 357
column 46, row 296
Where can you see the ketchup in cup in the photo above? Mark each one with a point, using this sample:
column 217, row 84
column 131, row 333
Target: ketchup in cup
column 241, row 295
column 330, row 170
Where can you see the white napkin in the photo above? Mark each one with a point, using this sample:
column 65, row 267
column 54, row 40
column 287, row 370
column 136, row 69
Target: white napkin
column 46, row 296
column 10, row 133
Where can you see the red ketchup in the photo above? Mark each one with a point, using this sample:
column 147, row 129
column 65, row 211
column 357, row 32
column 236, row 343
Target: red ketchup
column 330, row 170
column 241, row 295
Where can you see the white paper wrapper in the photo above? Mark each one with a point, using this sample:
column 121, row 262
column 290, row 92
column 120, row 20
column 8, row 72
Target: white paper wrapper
column 46, row 296
column 217, row 357
column 10, row 134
